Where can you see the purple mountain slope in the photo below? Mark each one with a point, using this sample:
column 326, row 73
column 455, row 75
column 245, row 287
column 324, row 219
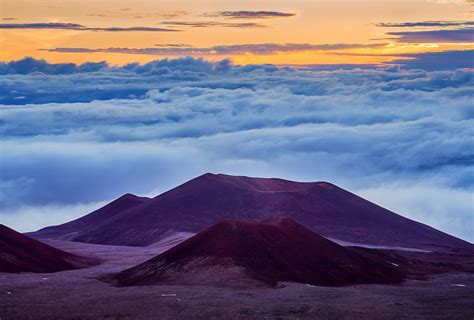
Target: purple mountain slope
column 20, row 253
column 197, row 204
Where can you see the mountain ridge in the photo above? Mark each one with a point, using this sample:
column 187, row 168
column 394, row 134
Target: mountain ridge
column 320, row 206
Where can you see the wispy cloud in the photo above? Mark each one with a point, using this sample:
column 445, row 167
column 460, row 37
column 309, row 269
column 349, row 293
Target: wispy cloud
column 244, row 14
column 79, row 27
column 424, row 24
column 258, row 49
column 163, row 14
column 463, row 35
column 210, row 24
column 173, row 45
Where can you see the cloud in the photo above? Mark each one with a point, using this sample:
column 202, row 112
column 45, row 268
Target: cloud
column 258, row 49
column 29, row 218
column 210, row 24
column 173, row 45
column 79, row 27
column 244, row 14
column 438, row 60
column 424, row 24
column 72, row 82
column 30, row 65
column 427, row 202
column 138, row 14
column 433, row 61
column 464, row 35
column 82, row 137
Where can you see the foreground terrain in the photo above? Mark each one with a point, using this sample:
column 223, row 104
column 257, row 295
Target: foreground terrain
column 259, row 249
column 77, row 294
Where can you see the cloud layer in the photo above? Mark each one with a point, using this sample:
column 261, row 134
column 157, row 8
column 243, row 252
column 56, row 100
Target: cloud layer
column 79, row 135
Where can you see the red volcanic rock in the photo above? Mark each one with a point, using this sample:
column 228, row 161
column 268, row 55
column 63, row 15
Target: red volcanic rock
column 19, row 253
column 242, row 253
column 197, row 204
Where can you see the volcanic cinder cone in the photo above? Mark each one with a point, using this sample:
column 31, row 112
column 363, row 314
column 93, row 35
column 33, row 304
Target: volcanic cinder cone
column 235, row 253
column 19, row 253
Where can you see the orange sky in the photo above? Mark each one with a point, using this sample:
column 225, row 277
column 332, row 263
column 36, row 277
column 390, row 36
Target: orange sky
column 314, row 22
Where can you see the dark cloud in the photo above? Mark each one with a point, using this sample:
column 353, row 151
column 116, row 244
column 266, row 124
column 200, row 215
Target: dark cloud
column 446, row 60
column 424, row 24
column 30, row 65
column 464, row 35
column 433, row 61
column 79, row 27
column 66, row 26
column 259, row 49
column 210, row 24
column 243, row 14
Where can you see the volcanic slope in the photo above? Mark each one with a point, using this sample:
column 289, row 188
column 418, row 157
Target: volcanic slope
column 235, row 253
column 320, row 206
column 19, row 253
column 91, row 221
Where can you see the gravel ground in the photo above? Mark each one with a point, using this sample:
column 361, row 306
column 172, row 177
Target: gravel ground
column 78, row 294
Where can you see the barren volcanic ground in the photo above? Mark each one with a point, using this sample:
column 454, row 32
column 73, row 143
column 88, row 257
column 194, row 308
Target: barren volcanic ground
column 77, row 294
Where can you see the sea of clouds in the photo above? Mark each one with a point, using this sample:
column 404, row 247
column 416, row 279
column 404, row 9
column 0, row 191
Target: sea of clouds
column 75, row 137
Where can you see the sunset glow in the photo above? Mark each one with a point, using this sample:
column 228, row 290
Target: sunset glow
column 379, row 30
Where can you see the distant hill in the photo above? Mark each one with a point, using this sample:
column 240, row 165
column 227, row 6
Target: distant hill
column 71, row 230
column 195, row 205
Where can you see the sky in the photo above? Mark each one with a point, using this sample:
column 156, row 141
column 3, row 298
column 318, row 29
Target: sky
column 102, row 98
column 278, row 32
